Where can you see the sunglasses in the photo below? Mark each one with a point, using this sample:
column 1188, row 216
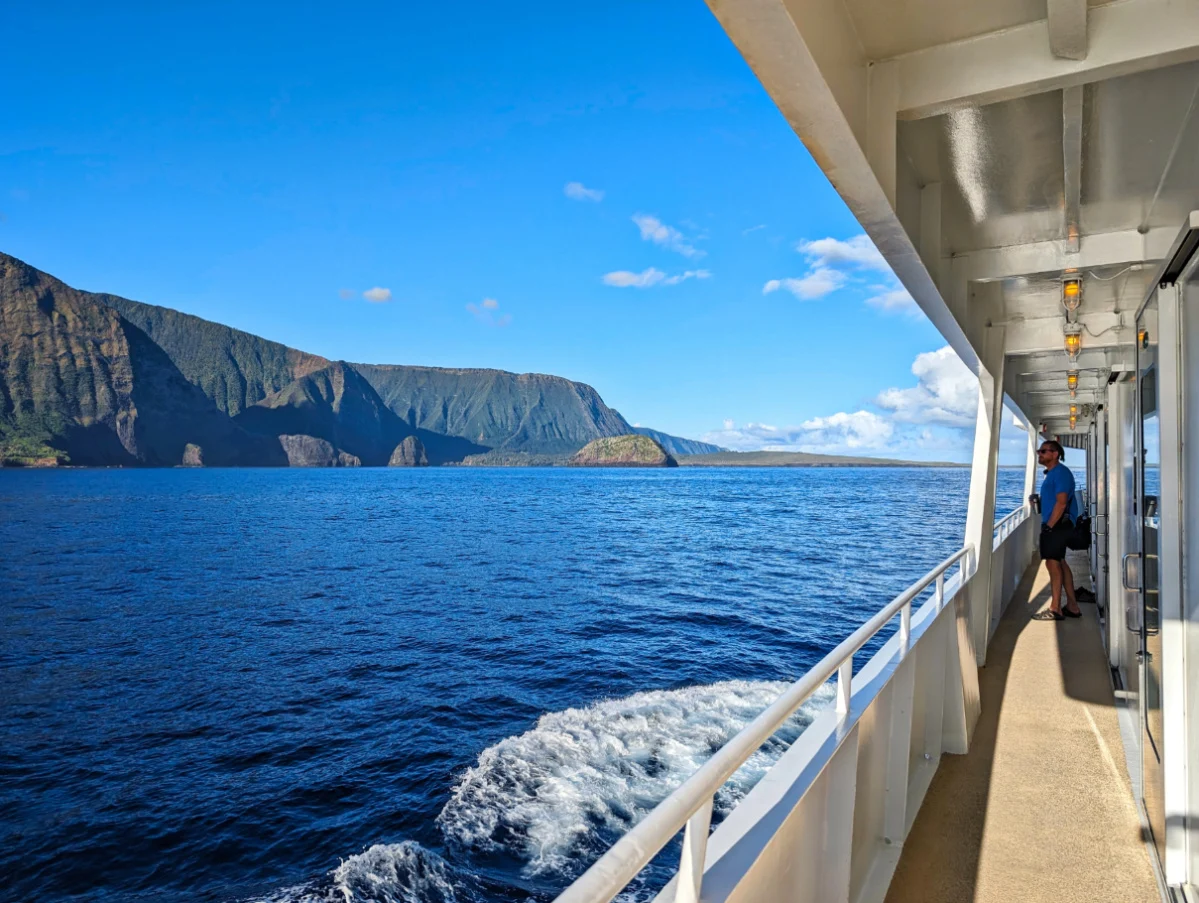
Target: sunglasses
column 1044, row 451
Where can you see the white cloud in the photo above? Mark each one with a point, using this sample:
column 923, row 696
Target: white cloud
column 684, row 276
column 653, row 229
column 651, row 277
column 816, row 284
column 628, row 279
column 577, row 191
column 930, row 421
column 752, row 229
column 835, row 262
column 377, row 295
column 857, row 251
column 896, row 301
column 841, row 433
column 946, row 392
column 861, row 429
column 485, row 313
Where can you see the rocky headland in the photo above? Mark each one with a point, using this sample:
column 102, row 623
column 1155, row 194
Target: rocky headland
column 631, row 450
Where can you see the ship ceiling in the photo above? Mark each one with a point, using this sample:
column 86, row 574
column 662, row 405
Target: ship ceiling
column 991, row 148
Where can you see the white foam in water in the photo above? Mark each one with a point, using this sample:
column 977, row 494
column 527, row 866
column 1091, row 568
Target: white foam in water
column 385, row 873
column 583, row 776
column 571, row 785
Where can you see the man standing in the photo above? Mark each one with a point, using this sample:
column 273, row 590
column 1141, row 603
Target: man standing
column 1059, row 510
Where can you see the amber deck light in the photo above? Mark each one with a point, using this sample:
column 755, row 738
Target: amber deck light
column 1071, row 293
column 1073, row 340
column 1072, row 383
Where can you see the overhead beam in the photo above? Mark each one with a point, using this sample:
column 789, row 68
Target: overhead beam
column 1056, row 361
column 1123, row 38
column 1098, row 250
column 1068, row 29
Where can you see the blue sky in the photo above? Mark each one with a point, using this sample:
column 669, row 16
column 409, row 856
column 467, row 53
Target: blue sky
column 601, row 191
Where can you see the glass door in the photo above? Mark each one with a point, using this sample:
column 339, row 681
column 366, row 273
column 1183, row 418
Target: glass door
column 1148, row 479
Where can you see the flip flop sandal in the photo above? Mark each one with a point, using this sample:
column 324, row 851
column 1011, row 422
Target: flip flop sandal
column 1049, row 615
column 1070, row 614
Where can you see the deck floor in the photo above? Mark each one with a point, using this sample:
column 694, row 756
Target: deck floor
column 1040, row 809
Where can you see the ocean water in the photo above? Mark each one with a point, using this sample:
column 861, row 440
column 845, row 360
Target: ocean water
column 408, row 685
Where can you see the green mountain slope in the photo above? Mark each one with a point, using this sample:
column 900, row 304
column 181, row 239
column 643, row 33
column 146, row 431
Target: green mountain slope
column 80, row 379
column 338, row 405
column 233, row 368
column 525, row 412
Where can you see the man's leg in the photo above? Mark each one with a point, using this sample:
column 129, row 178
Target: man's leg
column 1055, row 584
column 1068, row 580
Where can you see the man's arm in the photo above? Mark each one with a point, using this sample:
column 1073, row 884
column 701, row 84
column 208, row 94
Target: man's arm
column 1059, row 509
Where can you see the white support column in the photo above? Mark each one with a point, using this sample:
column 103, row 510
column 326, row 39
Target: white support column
column 1173, row 625
column 1068, row 29
column 980, row 516
column 841, row 782
column 899, row 748
column 1189, row 424
column 1119, row 483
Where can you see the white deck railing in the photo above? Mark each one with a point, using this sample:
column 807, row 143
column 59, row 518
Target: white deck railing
column 915, row 693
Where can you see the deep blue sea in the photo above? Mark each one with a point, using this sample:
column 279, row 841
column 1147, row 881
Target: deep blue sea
column 396, row 685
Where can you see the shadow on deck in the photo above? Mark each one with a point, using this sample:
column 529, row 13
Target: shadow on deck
column 1041, row 807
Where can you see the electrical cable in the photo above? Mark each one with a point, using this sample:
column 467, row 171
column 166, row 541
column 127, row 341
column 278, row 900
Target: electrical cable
column 1131, row 266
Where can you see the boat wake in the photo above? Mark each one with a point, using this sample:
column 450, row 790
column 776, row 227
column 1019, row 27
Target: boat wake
column 385, row 873
column 552, row 799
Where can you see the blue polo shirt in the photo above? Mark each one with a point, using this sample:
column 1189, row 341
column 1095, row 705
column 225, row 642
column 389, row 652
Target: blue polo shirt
column 1058, row 480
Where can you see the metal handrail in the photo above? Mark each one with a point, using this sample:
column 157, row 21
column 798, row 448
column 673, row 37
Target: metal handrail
column 691, row 804
column 1003, row 528
column 1020, row 513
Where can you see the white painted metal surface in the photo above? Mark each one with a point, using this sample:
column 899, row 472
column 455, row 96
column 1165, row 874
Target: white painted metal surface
column 990, row 149
column 828, row 819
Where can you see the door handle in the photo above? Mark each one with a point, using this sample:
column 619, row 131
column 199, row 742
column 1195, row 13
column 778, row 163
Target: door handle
column 1128, row 583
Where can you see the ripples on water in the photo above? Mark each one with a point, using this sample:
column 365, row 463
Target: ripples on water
column 397, row 685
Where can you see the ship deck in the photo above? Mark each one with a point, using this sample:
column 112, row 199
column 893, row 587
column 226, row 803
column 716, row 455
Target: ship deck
column 1041, row 807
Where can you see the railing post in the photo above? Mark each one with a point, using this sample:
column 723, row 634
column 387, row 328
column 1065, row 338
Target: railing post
column 940, row 590
column 844, row 684
column 905, row 629
column 695, row 848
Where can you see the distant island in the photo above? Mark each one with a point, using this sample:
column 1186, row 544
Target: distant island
column 798, row 459
column 96, row 380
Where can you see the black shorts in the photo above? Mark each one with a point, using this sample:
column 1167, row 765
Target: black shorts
column 1053, row 542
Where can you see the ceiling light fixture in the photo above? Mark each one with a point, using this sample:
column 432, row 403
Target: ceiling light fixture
column 1071, row 293
column 1073, row 340
column 1072, row 383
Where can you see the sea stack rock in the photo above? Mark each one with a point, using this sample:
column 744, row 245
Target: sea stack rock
column 623, row 451
column 308, row 451
column 409, row 453
column 193, row 455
